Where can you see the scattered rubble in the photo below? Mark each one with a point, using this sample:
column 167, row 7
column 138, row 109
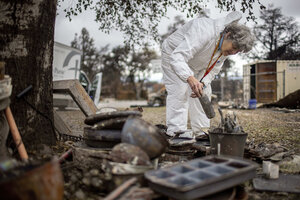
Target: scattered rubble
column 94, row 172
column 265, row 151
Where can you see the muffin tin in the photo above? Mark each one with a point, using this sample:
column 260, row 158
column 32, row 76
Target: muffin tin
column 200, row 177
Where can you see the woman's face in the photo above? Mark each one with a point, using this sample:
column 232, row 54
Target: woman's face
column 227, row 47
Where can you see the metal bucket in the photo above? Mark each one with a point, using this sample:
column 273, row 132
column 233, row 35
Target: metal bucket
column 231, row 144
column 32, row 182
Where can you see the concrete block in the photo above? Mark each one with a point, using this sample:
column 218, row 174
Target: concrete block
column 271, row 170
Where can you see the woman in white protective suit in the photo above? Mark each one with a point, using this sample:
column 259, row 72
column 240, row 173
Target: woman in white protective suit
column 198, row 47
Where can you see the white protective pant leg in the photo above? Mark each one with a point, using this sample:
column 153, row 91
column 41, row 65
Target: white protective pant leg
column 176, row 102
column 179, row 102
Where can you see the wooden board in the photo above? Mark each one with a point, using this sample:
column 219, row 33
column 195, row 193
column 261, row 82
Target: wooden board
column 60, row 125
column 266, row 84
column 77, row 92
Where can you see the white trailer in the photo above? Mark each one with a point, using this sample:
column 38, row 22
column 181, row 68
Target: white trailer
column 66, row 66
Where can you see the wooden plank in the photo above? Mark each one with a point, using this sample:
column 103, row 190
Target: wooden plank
column 77, row 92
column 266, row 85
column 60, row 125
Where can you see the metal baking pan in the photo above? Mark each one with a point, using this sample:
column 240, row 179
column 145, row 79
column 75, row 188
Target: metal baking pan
column 200, row 177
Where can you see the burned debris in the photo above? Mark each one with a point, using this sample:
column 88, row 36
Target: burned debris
column 119, row 155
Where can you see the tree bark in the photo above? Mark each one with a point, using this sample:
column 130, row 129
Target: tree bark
column 26, row 46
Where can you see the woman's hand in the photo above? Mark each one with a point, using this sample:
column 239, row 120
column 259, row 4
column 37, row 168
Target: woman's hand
column 196, row 86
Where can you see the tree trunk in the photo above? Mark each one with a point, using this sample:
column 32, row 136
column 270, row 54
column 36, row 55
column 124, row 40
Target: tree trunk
column 26, row 46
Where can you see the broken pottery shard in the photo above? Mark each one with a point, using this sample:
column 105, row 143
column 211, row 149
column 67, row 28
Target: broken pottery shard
column 93, row 119
column 138, row 132
column 128, row 153
column 265, row 151
column 113, row 124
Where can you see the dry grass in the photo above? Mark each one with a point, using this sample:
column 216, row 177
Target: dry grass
column 262, row 125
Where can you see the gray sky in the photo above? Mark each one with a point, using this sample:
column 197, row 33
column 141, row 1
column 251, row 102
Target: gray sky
column 65, row 30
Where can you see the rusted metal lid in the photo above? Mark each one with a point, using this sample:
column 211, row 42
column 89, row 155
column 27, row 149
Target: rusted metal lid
column 104, row 135
column 112, row 124
column 92, row 119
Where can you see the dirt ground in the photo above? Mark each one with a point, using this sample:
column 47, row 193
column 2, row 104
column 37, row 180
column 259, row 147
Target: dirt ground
column 270, row 125
column 262, row 125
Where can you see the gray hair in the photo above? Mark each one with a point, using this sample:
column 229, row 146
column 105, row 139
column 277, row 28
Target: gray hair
column 241, row 36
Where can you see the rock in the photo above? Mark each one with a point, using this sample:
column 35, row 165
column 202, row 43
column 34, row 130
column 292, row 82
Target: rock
column 94, row 172
column 72, row 188
column 45, row 150
column 292, row 166
column 279, row 156
column 86, row 181
column 66, row 194
column 73, row 178
column 80, row 195
column 128, row 153
column 96, row 182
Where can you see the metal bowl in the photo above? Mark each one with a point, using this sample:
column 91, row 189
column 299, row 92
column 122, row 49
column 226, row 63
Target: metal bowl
column 138, row 132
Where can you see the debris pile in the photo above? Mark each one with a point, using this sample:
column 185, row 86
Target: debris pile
column 228, row 124
column 104, row 129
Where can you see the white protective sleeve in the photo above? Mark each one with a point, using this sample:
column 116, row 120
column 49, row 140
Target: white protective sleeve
column 196, row 36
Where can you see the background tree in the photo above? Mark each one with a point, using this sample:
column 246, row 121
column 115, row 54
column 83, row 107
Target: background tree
column 227, row 67
column 124, row 65
column 26, row 46
column 114, row 64
column 140, row 19
column 278, row 36
column 91, row 58
column 138, row 67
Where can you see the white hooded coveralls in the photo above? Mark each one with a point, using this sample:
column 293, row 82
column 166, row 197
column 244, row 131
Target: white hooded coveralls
column 186, row 53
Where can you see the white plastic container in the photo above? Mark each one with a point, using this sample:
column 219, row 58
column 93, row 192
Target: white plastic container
column 5, row 87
